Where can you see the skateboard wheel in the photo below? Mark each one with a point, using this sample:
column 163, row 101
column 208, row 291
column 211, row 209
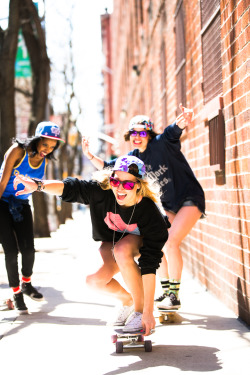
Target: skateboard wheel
column 161, row 319
column 171, row 318
column 114, row 339
column 119, row 347
column 9, row 304
column 148, row 346
column 140, row 338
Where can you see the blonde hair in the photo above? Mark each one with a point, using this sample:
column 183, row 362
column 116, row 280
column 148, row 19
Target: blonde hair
column 149, row 188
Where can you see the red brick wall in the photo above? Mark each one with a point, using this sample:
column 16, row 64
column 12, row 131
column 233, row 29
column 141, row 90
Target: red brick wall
column 217, row 249
column 107, row 77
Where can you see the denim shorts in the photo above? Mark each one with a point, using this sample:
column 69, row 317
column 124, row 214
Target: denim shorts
column 187, row 203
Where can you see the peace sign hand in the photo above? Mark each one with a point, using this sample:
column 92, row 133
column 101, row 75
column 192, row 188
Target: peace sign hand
column 185, row 118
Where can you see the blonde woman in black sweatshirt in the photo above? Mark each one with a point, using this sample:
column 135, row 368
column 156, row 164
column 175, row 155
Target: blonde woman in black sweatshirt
column 126, row 219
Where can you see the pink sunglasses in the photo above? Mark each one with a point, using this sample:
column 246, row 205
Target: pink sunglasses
column 127, row 185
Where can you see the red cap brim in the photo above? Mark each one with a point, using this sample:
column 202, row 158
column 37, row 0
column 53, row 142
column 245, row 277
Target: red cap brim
column 55, row 138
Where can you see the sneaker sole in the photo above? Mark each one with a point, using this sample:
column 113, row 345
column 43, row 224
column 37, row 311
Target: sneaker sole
column 34, row 298
column 168, row 307
column 23, row 312
column 138, row 330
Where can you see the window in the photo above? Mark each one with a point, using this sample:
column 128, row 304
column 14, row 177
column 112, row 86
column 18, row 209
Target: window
column 150, row 10
column 151, row 83
column 141, row 10
column 180, row 55
column 211, row 48
column 217, row 146
column 216, row 141
column 212, row 85
column 163, row 84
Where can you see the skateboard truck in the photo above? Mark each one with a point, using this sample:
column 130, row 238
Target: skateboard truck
column 167, row 315
column 127, row 340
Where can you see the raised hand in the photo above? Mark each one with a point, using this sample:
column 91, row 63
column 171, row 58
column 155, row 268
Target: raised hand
column 85, row 145
column 185, row 118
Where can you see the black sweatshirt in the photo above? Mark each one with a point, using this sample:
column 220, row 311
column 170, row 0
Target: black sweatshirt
column 165, row 162
column 147, row 221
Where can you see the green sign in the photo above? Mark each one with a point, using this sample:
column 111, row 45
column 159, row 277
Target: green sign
column 22, row 65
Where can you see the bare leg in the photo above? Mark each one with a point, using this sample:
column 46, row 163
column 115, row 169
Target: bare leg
column 163, row 269
column 125, row 251
column 182, row 224
column 103, row 280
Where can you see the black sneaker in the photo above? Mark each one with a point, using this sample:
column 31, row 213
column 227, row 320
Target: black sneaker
column 170, row 303
column 161, row 298
column 32, row 292
column 19, row 304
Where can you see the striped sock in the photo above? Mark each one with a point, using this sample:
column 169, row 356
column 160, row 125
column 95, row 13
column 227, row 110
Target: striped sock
column 26, row 279
column 165, row 286
column 16, row 290
column 174, row 287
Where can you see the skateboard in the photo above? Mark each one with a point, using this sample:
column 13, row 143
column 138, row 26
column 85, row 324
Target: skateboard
column 7, row 305
column 123, row 340
column 167, row 315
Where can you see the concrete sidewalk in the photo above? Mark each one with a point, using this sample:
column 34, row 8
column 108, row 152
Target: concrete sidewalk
column 68, row 334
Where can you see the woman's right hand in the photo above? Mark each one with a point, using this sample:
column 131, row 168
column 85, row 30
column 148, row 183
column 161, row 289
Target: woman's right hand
column 185, row 118
column 85, row 146
column 95, row 160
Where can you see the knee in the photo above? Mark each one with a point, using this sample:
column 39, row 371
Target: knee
column 98, row 280
column 92, row 281
column 11, row 259
column 172, row 245
column 123, row 255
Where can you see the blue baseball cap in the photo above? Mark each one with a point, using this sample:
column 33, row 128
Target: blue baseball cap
column 124, row 164
column 48, row 129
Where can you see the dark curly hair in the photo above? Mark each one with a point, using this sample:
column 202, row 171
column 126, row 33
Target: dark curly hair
column 31, row 144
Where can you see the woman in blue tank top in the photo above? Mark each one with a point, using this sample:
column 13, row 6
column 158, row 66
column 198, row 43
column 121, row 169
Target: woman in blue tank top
column 27, row 158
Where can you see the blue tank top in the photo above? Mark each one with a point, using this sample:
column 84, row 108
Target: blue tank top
column 24, row 168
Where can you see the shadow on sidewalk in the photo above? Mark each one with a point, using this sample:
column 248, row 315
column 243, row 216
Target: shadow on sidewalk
column 54, row 298
column 185, row 358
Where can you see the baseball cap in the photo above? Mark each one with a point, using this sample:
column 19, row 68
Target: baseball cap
column 128, row 164
column 141, row 122
column 48, row 129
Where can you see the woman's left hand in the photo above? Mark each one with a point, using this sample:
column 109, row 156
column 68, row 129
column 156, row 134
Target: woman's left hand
column 148, row 323
column 185, row 118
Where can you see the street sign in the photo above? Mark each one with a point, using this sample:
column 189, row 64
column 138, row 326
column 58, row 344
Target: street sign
column 22, row 65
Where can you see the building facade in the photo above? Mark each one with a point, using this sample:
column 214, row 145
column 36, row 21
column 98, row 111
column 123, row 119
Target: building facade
column 194, row 52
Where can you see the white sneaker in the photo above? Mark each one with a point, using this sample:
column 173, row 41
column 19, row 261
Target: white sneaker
column 134, row 323
column 122, row 315
column 169, row 303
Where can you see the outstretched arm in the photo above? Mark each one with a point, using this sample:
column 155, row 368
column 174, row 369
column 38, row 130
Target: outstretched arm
column 97, row 162
column 185, row 118
column 53, row 187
